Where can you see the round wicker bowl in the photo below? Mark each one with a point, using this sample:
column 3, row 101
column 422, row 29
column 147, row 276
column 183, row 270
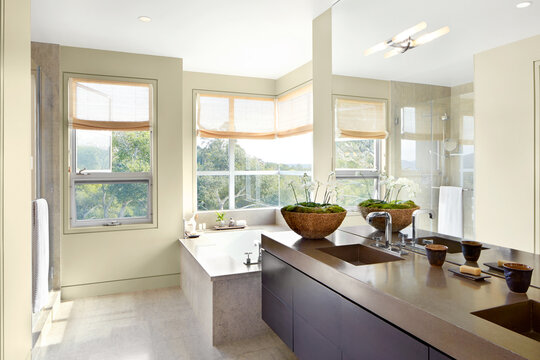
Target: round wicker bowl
column 401, row 218
column 311, row 225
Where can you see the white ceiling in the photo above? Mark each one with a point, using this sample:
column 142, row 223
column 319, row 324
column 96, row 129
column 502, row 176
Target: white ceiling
column 475, row 25
column 261, row 38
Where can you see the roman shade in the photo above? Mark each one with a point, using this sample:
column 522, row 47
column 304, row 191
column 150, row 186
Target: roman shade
column 360, row 118
column 96, row 104
column 295, row 112
column 225, row 116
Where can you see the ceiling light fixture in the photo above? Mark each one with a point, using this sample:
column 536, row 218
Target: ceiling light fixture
column 404, row 41
column 145, row 19
column 523, row 4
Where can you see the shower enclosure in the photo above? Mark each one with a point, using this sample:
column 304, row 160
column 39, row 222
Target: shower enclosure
column 432, row 143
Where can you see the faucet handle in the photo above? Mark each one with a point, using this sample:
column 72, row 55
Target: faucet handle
column 248, row 260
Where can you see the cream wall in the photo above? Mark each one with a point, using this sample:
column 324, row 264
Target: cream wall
column 124, row 259
column 194, row 81
column 505, row 144
column 15, row 180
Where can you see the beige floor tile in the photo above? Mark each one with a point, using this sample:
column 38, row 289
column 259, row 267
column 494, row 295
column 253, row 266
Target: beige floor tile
column 146, row 325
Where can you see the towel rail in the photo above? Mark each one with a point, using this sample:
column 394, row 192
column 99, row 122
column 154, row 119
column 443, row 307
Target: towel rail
column 464, row 189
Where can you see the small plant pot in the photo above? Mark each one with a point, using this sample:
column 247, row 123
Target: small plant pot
column 471, row 250
column 518, row 276
column 313, row 225
column 436, row 254
column 401, row 218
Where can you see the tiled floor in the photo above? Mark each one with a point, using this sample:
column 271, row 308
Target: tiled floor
column 147, row 325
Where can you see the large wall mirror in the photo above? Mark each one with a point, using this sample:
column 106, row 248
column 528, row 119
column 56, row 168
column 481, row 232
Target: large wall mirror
column 456, row 79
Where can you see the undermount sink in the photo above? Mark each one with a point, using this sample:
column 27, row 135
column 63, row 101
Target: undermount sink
column 358, row 254
column 523, row 317
column 454, row 246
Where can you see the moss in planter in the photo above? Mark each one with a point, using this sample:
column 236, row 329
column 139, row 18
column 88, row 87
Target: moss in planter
column 314, row 208
column 380, row 204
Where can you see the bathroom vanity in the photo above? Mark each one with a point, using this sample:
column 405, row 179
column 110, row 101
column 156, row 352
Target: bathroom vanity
column 340, row 298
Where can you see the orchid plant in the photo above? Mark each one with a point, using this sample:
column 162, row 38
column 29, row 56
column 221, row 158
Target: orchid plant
column 393, row 189
column 311, row 192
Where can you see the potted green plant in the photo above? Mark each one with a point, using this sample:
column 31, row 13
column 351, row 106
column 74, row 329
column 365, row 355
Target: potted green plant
column 310, row 219
column 220, row 218
column 400, row 210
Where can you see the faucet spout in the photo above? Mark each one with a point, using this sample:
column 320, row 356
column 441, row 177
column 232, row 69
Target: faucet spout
column 388, row 225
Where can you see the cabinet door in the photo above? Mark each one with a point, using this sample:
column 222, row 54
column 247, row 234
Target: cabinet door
column 277, row 276
column 309, row 344
column 369, row 337
column 435, row 354
column 319, row 306
column 278, row 316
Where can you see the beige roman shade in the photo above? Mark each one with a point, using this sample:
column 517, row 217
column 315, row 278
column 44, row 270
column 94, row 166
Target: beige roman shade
column 110, row 105
column 295, row 112
column 225, row 116
column 360, row 119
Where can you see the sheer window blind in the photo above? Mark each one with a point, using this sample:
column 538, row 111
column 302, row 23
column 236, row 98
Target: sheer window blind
column 245, row 117
column 295, row 112
column 109, row 105
column 361, row 119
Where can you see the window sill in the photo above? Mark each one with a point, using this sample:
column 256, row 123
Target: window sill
column 96, row 229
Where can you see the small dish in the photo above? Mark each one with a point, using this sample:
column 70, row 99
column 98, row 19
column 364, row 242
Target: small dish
column 436, row 254
column 469, row 276
column 518, row 276
column 494, row 266
column 471, row 249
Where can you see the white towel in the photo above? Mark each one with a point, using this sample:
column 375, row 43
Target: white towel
column 40, row 254
column 451, row 211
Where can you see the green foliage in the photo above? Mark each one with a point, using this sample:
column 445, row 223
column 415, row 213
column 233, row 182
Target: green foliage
column 131, row 153
column 312, row 207
column 220, row 216
column 93, row 158
column 355, row 154
column 381, row 204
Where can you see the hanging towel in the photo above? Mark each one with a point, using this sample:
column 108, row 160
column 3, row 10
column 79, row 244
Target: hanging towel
column 451, row 211
column 40, row 254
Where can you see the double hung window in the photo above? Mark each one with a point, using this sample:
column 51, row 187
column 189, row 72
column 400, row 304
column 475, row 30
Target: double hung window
column 360, row 128
column 249, row 148
column 110, row 150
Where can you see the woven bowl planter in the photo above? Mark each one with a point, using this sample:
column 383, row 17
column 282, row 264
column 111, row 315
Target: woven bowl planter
column 312, row 225
column 401, row 218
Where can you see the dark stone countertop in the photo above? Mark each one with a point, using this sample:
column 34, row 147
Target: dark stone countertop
column 428, row 302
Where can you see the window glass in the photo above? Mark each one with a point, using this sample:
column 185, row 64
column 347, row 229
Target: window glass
column 98, row 201
column 352, row 192
column 212, row 154
column 256, row 191
column 355, row 154
column 212, row 192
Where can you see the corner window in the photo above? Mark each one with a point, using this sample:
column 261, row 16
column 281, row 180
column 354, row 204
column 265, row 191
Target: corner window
column 249, row 148
column 360, row 127
column 110, row 147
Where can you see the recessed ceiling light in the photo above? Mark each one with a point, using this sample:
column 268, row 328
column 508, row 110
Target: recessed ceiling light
column 145, row 19
column 523, row 4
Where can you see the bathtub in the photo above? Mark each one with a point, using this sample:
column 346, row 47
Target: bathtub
column 224, row 293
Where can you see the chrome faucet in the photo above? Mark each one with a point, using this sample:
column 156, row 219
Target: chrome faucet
column 414, row 215
column 388, row 227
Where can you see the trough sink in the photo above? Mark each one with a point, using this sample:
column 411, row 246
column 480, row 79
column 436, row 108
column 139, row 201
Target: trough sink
column 454, row 246
column 522, row 317
column 358, row 254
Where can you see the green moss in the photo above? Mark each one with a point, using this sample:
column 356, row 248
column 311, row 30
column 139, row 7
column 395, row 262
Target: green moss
column 314, row 208
column 379, row 204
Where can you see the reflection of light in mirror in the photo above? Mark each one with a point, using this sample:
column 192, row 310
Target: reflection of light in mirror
column 405, row 34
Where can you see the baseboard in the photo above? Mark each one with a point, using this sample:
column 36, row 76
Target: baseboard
column 120, row 286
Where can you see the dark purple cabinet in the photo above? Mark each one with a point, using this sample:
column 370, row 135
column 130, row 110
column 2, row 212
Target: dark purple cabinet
column 312, row 345
column 278, row 316
column 318, row 323
column 374, row 338
column 435, row 354
column 319, row 306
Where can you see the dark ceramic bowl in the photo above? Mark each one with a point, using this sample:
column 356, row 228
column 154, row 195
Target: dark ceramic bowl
column 471, row 250
column 518, row 276
column 436, row 254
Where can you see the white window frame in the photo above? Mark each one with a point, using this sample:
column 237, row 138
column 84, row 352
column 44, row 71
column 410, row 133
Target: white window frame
column 359, row 174
column 103, row 177
column 231, row 172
